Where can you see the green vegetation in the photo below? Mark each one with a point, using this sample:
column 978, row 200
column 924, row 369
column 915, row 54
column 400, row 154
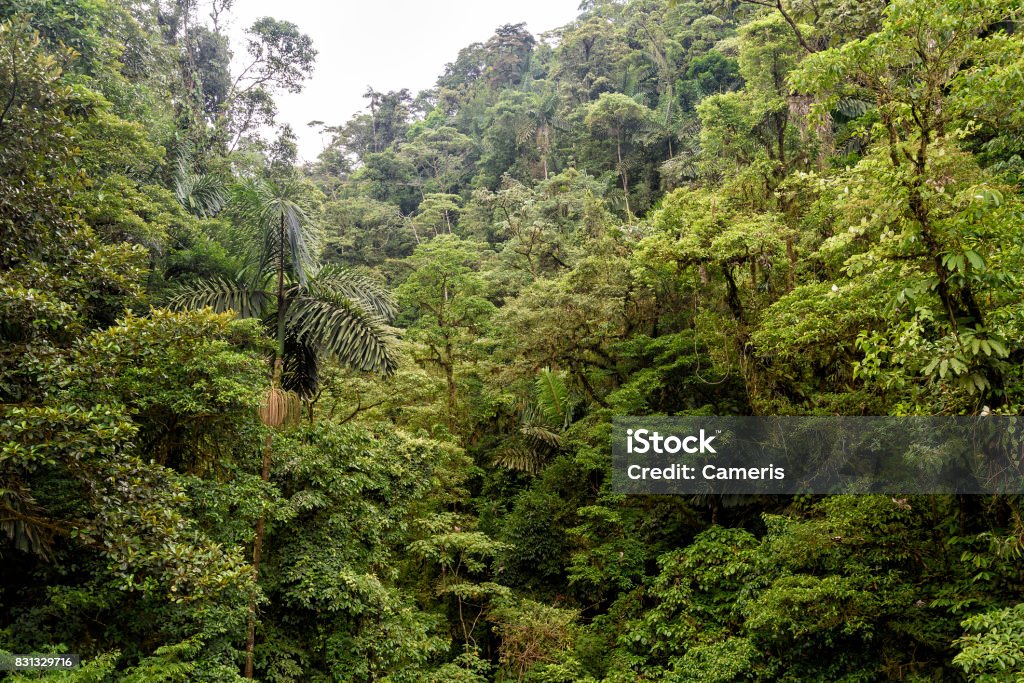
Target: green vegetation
column 350, row 420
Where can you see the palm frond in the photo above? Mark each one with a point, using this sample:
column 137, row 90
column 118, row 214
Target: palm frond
column 259, row 240
column 223, row 295
column 683, row 166
column 852, row 107
column 542, row 434
column 521, row 459
column 263, row 209
column 182, row 153
column 24, row 521
column 202, row 195
column 553, row 398
column 336, row 281
column 341, row 328
column 525, row 127
column 294, row 220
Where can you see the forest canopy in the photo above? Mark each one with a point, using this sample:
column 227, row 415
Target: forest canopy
column 349, row 419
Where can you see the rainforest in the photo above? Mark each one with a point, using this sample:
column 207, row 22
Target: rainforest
column 349, row 419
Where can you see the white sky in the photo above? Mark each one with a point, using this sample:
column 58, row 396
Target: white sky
column 387, row 44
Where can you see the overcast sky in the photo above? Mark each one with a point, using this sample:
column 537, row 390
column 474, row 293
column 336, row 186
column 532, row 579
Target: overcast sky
column 387, row 44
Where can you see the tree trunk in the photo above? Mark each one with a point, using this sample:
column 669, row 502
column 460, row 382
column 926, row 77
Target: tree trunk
column 545, row 150
column 625, row 178
column 257, row 543
column 257, row 555
column 733, row 295
column 449, row 376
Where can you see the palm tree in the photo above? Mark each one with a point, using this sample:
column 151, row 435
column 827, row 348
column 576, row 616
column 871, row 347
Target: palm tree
column 542, row 425
column 313, row 313
column 539, row 121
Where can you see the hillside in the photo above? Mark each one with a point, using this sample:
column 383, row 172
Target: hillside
column 349, row 420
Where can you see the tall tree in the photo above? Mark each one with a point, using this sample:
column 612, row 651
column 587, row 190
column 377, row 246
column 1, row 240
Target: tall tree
column 314, row 312
column 619, row 118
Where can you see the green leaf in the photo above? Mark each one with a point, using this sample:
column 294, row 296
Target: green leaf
column 222, row 295
column 344, row 330
column 977, row 262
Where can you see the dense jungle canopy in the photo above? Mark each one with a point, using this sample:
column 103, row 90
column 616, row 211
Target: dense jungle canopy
column 349, row 419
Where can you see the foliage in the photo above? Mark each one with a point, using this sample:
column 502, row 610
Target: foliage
column 990, row 651
column 665, row 207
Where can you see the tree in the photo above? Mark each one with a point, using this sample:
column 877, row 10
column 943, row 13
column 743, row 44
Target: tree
column 446, row 293
column 365, row 232
column 37, row 114
column 508, row 55
column 436, row 212
column 211, row 55
column 315, row 312
column 389, row 113
column 281, row 58
column 391, row 177
column 96, row 481
column 992, row 649
column 441, row 157
column 945, row 215
column 591, row 51
column 540, row 120
column 648, row 26
column 619, row 118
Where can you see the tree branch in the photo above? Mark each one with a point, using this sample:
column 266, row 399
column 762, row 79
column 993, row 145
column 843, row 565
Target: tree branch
column 777, row 5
